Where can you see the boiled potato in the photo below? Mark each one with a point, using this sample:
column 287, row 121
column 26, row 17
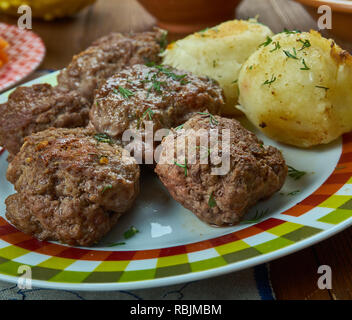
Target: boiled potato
column 219, row 53
column 297, row 88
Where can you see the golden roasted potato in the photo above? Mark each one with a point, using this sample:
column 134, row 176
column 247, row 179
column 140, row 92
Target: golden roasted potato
column 219, row 53
column 297, row 88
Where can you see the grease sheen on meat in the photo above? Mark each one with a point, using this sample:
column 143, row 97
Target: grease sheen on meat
column 164, row 95
column 255, row 171
column 70, row 187
column 35, row 108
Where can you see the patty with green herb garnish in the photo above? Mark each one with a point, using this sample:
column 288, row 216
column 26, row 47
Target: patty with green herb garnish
column 160, row 94
column 89, row 69
column 72, row 186
column 255, row 171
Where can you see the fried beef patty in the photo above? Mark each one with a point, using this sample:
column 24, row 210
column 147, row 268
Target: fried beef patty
column 160, row 94
column 36, row 108
column 255, row 171
column 71, row 186
column 107, row 56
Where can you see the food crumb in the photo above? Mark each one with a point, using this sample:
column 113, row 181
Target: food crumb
column 42, row 145
column 103, row 160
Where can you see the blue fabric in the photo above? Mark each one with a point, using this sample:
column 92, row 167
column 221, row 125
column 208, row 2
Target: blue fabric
column 250, row 284
column 261, row 275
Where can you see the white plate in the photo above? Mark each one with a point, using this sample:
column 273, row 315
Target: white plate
column 173, row 246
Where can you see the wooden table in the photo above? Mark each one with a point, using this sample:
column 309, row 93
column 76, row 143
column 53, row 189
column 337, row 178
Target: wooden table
column 293, row 277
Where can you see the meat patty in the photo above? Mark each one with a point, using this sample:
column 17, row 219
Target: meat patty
column 72, row 186
column 160, row 94
column 254, row 172
column 108, row 55
column 36, row 108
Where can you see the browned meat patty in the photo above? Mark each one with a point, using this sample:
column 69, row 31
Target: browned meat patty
column 255, row 171
column 89, row 69
column 160, row 94
column 71, row 186
column 33, row 109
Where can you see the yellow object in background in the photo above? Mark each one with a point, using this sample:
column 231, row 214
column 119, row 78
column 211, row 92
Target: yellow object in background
column 46, row 9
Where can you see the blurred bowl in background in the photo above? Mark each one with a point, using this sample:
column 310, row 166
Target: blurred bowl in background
column 188, row 16
column 341, row 15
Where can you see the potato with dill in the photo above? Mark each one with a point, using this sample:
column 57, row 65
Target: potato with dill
column 219, row 53
column 298, row 89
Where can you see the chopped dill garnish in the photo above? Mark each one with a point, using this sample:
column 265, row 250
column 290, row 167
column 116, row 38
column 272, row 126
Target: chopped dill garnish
column 124, row 92
column 215, row 29
column 211, row 201
column 293, row 193
column 169, row 73
column 269, row 82
column 266, row 43
column 291, row 32
column 180, row 127
column 291, row 55
column 305, row 65
column 259, row 215
column 212, row 119
column 321, row 87
column 157, row 84
column 107, row 187
column 132, row 231
column 277, row 46
column 183, row 82
column 116, row 244
column 183, row 166
column 295, row 174
column 103, row 137
column 204, row 30
column 163, row 41
column 208, row 149
column 305, row 44
column 150, row 64
column 149, row 112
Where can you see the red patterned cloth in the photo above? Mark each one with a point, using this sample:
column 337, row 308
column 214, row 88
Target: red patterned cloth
column 25, row 54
